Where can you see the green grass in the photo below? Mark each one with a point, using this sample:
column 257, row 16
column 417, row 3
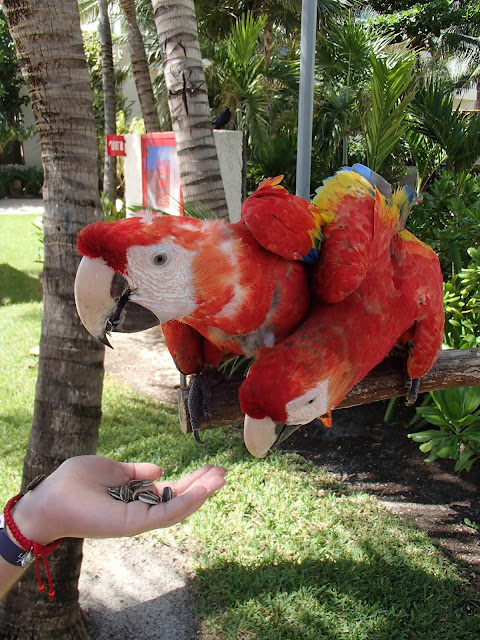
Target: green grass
column 21, row 259
column 283, row 552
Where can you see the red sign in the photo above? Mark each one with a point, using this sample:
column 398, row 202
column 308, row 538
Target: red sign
column 115, row 145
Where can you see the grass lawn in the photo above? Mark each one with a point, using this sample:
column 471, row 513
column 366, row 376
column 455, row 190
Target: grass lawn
column 283, row 552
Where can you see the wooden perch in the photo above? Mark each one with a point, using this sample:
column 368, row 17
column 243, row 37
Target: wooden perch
column 456, row 368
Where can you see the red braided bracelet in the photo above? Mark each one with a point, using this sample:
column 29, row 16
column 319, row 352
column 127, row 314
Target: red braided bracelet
column 29, row 545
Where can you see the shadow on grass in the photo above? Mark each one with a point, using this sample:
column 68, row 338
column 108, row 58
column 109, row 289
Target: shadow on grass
column 17, row 286
column 378, row 598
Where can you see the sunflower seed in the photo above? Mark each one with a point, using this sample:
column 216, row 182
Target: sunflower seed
column 167, row 494
column 125, row 493
column 114, row 492
column 149, row 497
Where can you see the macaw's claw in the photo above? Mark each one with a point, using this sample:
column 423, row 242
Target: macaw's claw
column 413, row 385
column 200, row 399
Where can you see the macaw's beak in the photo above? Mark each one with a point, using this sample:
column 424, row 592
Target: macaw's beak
column 103, row 304
column 261, row 435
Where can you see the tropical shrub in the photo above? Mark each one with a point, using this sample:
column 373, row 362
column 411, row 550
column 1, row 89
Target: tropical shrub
column 462, row 306
column 20, row 181
column 447, row 221
column 455, row 413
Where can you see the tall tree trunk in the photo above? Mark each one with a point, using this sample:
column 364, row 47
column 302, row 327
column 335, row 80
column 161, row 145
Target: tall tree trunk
column 141, row 71
column 109, row 99
column 67, row 408
column 188, row 102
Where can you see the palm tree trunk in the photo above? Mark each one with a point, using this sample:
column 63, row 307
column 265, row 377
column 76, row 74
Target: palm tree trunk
column 109, row 100
column 141, row 71
column 67, row 407
column 188, row 102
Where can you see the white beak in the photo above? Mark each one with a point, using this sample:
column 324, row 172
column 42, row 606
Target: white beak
column 93, row 298
column 259, row 435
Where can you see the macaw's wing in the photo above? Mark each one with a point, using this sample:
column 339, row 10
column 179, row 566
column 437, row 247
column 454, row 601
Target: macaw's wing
column 191, row 352
column 366, row 216
column 418, row 275
column 283, row 223
column 348, row 198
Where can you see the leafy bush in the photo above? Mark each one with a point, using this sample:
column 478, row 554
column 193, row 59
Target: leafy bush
column 462, row 306
column 20, row 181
column 450, row 224
column 456, row 415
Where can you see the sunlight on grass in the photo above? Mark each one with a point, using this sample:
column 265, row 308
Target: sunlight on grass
column 284, row 551
column 21, row 254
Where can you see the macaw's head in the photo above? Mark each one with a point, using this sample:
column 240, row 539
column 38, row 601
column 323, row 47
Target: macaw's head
column 284, row 389
column 137, row 272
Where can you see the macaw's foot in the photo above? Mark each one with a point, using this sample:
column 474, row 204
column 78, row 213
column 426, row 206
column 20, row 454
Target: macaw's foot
column 413, row 385
column 200, row 399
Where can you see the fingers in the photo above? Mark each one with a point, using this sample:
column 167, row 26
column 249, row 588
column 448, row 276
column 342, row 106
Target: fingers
column 199, row 475
column 183, row 505
column 143, row 470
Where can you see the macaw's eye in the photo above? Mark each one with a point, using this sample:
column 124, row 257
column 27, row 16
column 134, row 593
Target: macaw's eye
column 160, row 259
column 312, row 400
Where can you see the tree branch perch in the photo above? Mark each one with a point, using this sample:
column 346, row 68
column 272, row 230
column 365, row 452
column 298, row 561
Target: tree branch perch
column 455, row 368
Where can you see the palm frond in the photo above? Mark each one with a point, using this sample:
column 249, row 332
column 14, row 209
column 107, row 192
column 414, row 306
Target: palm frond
column 384, row 123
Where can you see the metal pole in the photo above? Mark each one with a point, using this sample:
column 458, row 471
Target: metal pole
column 305, row 105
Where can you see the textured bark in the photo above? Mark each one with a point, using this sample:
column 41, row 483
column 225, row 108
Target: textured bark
column 454, row 369
column 140, row 69
column 67, row 407
column 188, row 102
column 109, row 99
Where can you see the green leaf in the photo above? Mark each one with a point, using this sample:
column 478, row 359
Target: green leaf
column 465, row 460
column 424, row 436
column 471, row 399
column 433, row 415
column 472, row 433
column 449, row 448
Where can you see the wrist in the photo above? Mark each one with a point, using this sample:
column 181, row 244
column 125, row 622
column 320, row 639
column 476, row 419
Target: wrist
column 28, row 515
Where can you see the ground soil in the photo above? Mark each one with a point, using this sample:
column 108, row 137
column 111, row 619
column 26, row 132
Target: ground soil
column 360, row 450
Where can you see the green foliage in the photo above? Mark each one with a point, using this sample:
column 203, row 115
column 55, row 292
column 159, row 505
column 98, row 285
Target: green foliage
column 239, row 78
column 20, row 181
column 12, row 94
column 457, row 133
column 424, row 21
column 456, row 415
column 462, row 306
column 392, row 89
column 449, row 221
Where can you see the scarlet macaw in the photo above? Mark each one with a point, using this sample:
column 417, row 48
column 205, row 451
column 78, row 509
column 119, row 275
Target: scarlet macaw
column 212, row 275
column 377, row 286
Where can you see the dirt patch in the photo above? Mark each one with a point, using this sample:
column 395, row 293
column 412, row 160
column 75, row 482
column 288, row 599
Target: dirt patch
column 380, row 459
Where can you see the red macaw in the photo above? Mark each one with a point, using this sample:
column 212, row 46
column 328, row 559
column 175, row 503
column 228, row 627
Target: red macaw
column 212, row 275
column 389, row 292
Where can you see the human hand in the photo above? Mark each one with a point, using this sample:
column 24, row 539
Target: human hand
column 74, row 500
